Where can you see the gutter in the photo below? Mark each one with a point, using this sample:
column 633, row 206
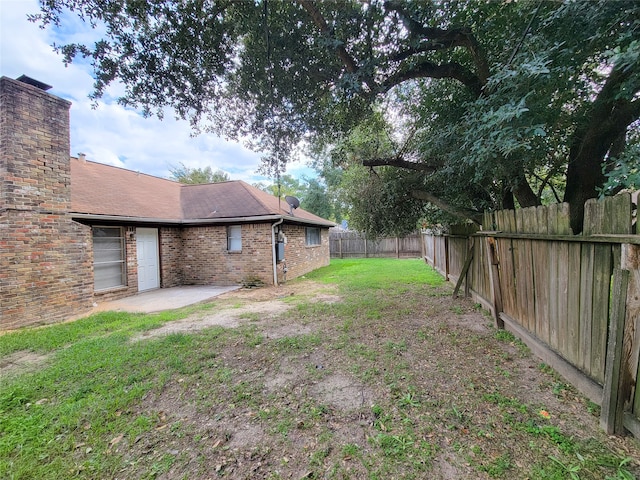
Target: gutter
column 273, row 251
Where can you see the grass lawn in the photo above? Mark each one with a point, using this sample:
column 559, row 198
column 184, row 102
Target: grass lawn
column 366, row 369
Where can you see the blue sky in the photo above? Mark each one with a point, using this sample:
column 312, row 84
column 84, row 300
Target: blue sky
column 112, row 134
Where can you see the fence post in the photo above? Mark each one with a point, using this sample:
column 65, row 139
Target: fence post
column 365, row 248
column 463, row 273
column 446, row 258
column 611, row 414
column 434, row 252
column 494, row 280
column 397, row 247
column 631, row 342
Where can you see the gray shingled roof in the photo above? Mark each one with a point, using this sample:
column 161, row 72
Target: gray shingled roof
column 105, row 191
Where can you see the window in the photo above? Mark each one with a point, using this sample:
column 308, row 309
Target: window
column 108, row 258
column 234, row 238
column 313, row 236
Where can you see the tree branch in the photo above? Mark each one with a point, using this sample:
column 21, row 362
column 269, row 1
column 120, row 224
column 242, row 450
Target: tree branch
column 398, row 162
column 311, row 8
column 524, row 193
column 426, row 69
column 438, row 39
column 463, row 213
column 547, row 181
column 454, row 37
column 450, row 39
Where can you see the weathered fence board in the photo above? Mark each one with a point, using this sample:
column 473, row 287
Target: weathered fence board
column 630, row 380
column 541, row 266
column 611, row 422
column 587, row 259
column 356, row 245
column 556, row 288
column 480, row 280
column 505, row 253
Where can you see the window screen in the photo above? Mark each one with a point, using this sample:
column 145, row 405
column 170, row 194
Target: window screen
column 312, row 236
column 234, row 238
column 108, row 258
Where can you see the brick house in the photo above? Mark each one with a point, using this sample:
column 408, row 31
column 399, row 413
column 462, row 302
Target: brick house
column 74, row 232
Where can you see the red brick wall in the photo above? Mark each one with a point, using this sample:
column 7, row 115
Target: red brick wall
column 171, row 274
column 206, row 261
column 45, row 257
column 299, row 257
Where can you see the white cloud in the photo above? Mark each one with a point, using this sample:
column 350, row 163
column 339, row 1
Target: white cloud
column 112, row 134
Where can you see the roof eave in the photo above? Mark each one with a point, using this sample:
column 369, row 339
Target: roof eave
column 122, row 218
column 200, row 221
column 306, row 221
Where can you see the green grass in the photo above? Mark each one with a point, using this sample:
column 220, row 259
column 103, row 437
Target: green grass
column 76, row 402
column 366, row 274
column 47, row 339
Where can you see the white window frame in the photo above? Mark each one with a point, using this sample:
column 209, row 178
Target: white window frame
column 313, row 236
column 102, row 264
column 234, row 238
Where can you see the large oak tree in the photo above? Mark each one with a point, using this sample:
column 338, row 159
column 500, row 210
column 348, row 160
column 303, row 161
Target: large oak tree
column 484, row 104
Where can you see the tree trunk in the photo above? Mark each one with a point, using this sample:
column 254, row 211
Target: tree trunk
column 462, row 213
column 605, row 124
column 524, row 194
column 584, row 177
column 508, row 201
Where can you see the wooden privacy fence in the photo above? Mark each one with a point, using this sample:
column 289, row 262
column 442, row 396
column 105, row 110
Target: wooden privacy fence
column 356, row 245
column 573, row 299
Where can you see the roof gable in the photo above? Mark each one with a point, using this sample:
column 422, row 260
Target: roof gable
column 98, row 189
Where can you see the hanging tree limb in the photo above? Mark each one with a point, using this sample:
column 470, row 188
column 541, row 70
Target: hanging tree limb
column 398, row 162
column 462, row 213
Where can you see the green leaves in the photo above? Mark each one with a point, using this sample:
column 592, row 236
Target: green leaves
column 184, row 174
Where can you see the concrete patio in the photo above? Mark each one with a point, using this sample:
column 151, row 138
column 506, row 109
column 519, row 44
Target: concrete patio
column 165, row 298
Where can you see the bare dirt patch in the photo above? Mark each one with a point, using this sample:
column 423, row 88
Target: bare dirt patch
column 22, row 361
column 304, row 289
column 228, row 317
column 258, row 306
column 342, row 392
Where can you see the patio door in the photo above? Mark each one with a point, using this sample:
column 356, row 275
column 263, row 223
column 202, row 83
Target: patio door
column 148, row 258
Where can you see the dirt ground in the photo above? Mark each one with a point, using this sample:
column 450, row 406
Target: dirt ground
column 266, row 302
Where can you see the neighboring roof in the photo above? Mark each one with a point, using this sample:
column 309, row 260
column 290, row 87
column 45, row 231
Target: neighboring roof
column 104, row 191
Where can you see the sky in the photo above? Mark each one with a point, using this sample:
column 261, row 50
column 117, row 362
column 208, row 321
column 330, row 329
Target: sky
column 110, row 133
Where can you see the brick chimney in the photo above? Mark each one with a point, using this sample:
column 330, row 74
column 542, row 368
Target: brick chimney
column 34, row 147
column 45, row 263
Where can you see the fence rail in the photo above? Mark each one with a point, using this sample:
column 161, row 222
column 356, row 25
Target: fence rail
column 356, row 245
column 572, row 299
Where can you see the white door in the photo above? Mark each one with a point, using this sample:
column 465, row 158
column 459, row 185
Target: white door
column 148, row 258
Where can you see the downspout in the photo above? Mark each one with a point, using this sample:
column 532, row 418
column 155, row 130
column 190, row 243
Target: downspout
column 273, row 251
